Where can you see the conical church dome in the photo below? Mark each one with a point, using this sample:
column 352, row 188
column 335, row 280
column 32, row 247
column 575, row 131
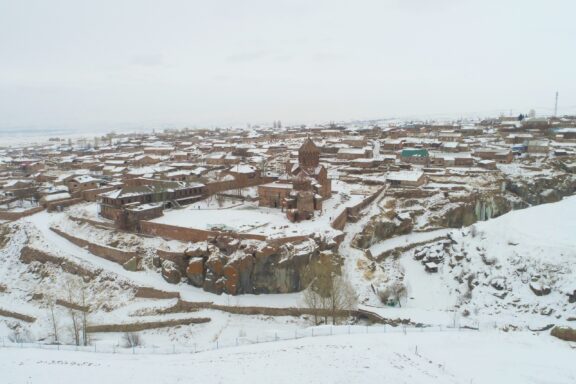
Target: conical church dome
column 309, row 154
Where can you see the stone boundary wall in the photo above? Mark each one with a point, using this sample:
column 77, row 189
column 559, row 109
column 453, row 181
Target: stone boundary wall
column 109, row 253
column 237, row 197
column 189, row 234
column 29, row 254
column 135, row 327
column 95, row 223
column 414, row 193
column 7, row 215
column 220, row 186
column 69, row 305
column 185, row 306
column 405, row 248
column 340, row 221
column 153, row 293
column 15, row 315
column 62, row 204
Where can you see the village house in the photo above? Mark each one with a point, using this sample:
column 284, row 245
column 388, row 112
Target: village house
column 449, row 136
column 353, row 153
column 406, row 178
column 354, row 141
column 537, row 146
column 81, row 183
column 242, row 172
column 518, row 138
column 565, row 134
column 365, row 163
column 392, row 145
column 54, row 198
column 498, row 155
column 415, row 156
column 144, row 160
column 487, row 164
column 159, row 150
column 20, row 188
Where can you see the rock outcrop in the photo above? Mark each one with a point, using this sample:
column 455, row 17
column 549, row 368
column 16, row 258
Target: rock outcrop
column 132, row 264
column 195, row 271
column 564, row 333
column 539, row 289
column 170, row 272
column 465, row 211
column 543, row 190
column 226, row 265
column 381, row 228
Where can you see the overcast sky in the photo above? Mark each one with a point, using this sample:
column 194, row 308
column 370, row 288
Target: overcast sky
column 101, row 64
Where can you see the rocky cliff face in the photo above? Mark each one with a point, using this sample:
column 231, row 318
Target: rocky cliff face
column 381, row 228
column 544, row 189
column 456, row 210
column 466, row 211
column 227, row 265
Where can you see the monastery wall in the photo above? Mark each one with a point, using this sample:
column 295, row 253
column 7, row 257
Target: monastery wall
column 109, row 253
column 189, row 234
column 340, row 221
column 220, row 186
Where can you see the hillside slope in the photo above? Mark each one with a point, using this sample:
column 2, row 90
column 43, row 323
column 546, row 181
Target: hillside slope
column 517, row 269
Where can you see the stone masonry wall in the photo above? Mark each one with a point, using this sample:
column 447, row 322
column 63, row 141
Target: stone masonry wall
column 6, row 215
column 109, row 253
column 187, row 234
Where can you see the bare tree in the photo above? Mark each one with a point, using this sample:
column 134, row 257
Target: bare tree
column 71, row 287
column 20, row 335
column 54, row 321
column 131, row 339
column 78, row 310
column 85, row 310
column 329, row 294
column 400, row 292
column 313, row 301
column 341, row 296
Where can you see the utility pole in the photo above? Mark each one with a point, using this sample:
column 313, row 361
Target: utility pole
column 556, row 105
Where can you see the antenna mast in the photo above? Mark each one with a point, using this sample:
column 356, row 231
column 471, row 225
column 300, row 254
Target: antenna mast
column 556, row 105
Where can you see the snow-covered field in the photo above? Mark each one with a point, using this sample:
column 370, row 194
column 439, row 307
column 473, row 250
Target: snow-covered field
column 442, row 357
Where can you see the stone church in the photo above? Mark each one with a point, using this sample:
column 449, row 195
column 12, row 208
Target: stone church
column 304, row 187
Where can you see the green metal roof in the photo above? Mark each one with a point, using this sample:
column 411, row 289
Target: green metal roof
column 416, row 152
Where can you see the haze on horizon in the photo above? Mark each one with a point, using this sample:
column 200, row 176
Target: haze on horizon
column 107, row 64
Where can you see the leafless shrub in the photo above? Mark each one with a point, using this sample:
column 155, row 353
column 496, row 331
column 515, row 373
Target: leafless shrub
column 20, row 335
column 393, row 294
column 131, row 339
column 473, row 231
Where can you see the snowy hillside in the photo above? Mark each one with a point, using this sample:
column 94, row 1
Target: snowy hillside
column 517, row 270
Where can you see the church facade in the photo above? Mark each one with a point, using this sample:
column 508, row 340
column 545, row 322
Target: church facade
column 304, row 187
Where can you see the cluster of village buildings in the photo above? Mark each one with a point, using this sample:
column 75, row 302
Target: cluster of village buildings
column 137, row 177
